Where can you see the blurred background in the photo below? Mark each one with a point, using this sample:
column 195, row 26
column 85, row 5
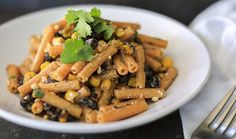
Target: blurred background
column 182, row 10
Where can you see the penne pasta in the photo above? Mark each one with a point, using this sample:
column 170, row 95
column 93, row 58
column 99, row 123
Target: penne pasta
column 121, row 110
column 26, row 87
column 90, row 115
column 130, row 63
column 105, row 98
column 170, row 75
column 47, row 37
column 61, row 72
column 140, row 74
column 139, row 93
column 118, row 24
column 54, row 100
column 154, row 41
column 61, row 86
column 77, row 67
column 110, row 74
column 155, row 53
column 13, row 73
column 34, row 43
column 154, row 64
column 91, row 67
column 120, row 66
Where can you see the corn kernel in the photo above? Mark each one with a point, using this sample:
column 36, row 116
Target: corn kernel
column 44, row 65
column 126, row 49
column 45, row 117
column 106, row 84
column 63, row 116
column 68, row 31
column 72, row 77
column 58, row 41
column 94, row 81
column 84, row 92
column 120, row 32
column 37, row 107
column 74, row 35
column 70, row 95
column 28, row 76
column 167, row 62
column 62, row 119
column 132, row 82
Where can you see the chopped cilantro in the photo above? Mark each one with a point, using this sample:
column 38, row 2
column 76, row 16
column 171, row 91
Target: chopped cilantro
column 95, row 12
column 76, row 50
column 37, row 93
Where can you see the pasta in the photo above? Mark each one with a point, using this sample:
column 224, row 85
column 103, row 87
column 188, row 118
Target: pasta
column 91, row 70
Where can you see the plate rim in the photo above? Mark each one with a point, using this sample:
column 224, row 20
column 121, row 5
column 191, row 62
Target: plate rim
column 35, row 124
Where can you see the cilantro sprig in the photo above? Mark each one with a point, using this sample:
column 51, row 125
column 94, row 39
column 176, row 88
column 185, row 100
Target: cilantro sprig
column 76, row 50
column 86, row 22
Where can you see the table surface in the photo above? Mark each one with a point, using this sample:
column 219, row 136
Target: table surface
column 169, row 127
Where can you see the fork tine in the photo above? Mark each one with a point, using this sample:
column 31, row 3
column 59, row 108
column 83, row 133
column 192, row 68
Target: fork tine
column 216, row 123
column 218, row 108
column 231, row 130
column 226, row 122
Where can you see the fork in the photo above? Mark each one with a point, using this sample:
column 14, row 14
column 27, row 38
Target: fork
column 221, row 122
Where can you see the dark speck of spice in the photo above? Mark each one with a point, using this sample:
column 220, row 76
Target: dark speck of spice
column 50, row 80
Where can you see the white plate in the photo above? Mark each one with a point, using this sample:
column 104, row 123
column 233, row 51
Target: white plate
column 189, row 53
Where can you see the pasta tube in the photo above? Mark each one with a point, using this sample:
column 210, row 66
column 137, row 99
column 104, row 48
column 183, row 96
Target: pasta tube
column 140, row 74
column 170, row 75
column 34, row 43
column 154, row 64
column 55, row 51
column 90, row 115
column 120, row 66
column 151, row 40
column 126, row 24
column 155, row 53
column 121, row 110
column 77, row 67
column 13, row 78
column 47, row 37
column 61, row 86
column 61, row 72
column 130, row 63
column 26, row 87
column 56, row 101
column 91, row 67
column 139, row 93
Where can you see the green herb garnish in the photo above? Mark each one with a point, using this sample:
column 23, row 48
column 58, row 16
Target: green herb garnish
column 37, row 93
column 76, row 50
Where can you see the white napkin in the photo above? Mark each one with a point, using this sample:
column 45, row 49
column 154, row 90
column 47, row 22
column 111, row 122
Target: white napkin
column 217, row 28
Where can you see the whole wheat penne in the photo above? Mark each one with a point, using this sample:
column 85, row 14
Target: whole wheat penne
column 61, row 72
column 155, row 53
column 170, row 75
column 140, row 74
column 13, row 73
column 151, row 40
column 121, row 110
column 61, row 86
column 77, row 67
column 26, row 87
column 129, row 33
column 120, row 66
column 91, row 67
column 34, row 43
column 130, row 63
column 90, row 115
column 55, row 51
column 154, row 64
column 105, row 98
column 118, row 24
column 47, row 37
column 27, row 63
column 54, row 100
column 134, row 93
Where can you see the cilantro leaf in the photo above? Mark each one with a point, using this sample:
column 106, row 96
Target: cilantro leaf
column 83, row 29
column 76, row 50
column 71, row 16
column 103, row 27
column 95, row 12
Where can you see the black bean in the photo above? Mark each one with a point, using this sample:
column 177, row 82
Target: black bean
column 21, row 80
column 87, row 102
column 25, row 104
column 57, row 34
column 47, row 106
column 149, row 73
column 50, row 80
column 93, row 42
column 153, row 82
column 48, row 58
